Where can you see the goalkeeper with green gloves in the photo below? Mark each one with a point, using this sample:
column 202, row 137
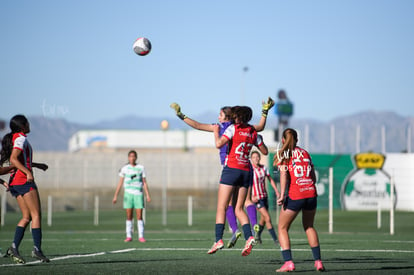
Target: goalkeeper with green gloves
column 225, row 119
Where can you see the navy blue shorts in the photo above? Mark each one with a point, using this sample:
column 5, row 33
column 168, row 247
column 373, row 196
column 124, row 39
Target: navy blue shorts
column 263, row 203
column 20, row 190
column 302, row 204
column 236, row 177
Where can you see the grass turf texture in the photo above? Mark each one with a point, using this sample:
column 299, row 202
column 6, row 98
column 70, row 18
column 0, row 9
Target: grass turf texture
column 76, row 246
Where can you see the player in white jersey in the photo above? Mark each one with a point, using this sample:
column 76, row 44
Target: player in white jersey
column 132, row 177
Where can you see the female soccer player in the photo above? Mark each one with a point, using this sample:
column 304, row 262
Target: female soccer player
column 259, row 196
column 236, row 175
column 295, row 166
column 132, row 177
column 16, row 149
column 224, row 121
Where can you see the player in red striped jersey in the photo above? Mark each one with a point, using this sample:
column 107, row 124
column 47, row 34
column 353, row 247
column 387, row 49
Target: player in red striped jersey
column 236, row 175
column 297, row 176
column 260, row 197
column 17, row 150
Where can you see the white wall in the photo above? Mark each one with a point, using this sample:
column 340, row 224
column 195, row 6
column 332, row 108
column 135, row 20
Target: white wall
column 401, row 168
column 149, row 139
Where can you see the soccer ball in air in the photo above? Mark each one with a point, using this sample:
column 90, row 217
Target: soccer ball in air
column 142, row 46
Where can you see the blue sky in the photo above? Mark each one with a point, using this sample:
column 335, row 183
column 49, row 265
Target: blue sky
column 74, row 59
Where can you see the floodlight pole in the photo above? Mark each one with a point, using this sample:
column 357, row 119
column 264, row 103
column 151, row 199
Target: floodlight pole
column 392, row 183
column 330, row 222
column 164, row 128
column 243, row 86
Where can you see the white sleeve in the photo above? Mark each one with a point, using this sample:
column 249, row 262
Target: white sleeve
column 122, row 172
column 229, row 132
column 259, row 140
column 19, row 142
column 143, row 172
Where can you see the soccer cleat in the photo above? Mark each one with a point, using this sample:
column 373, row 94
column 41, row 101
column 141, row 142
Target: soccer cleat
column 319, row 266
column 248, row 246
column 258, row 240
column 128, row 240
column 14, row 254
column 39, row 255
column 216, row 246
column 287, row 267
column 142, row 240
column 256, row 229
column 236, row 235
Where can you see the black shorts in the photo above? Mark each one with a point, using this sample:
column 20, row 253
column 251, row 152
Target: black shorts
column 20, row 190
column 263, row 203
column 302, row 204
column 236, row 177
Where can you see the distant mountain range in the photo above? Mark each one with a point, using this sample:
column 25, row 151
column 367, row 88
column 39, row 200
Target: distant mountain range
column 48, row 134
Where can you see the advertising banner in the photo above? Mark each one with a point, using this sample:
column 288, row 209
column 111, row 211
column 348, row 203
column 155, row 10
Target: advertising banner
column 362, row 181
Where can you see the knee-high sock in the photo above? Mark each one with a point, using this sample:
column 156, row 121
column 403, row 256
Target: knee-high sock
column 219, row 231
column 129, row 227
column 140, row 226
column 316, row 252
column 287, row 255
column 273, row 234
column 37, row 238
column 261, row 227
column 18, row 236
column 247, row 231
column 251, row 212
column 231, row 218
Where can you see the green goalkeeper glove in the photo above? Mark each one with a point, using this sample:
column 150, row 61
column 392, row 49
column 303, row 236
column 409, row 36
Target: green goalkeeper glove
column 266, row 106
column 177, row 110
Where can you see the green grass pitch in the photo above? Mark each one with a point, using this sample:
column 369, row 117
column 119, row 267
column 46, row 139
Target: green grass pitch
column 76, row 246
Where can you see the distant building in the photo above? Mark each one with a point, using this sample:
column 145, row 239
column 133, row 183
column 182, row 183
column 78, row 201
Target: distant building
column 108, row 140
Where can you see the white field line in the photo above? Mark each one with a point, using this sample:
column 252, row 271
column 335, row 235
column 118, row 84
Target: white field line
column 73, row 256
column 203, row 239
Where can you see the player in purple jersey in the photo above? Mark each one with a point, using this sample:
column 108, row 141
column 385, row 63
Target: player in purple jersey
column 224, row 121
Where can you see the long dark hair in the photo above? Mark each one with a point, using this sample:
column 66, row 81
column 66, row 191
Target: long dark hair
column 17, row 124
column 242, row 113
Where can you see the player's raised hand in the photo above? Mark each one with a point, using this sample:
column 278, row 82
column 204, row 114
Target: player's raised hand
column 175, row 107
column 177, row 110
column 266, row 106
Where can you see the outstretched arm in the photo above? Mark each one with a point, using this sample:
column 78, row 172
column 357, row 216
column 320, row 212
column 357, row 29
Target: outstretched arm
column 42, row 166
column 266, row 106
column 191, row 122
column 5, row 184
column 7, row 169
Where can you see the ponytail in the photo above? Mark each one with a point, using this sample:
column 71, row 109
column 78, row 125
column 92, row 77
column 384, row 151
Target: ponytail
column 17, row 124
column 6, row 148
column 284, row 154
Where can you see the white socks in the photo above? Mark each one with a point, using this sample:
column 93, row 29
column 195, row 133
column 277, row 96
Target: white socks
column 140, row 227
column 129, row 228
